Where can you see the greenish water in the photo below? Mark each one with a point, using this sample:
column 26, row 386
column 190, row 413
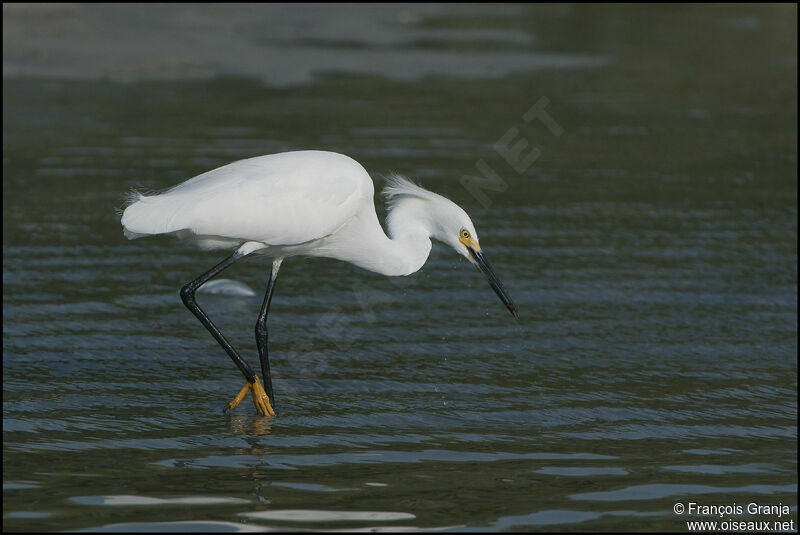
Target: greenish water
column 651, row 248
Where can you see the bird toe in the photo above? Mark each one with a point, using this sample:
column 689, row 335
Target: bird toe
column 261, row 400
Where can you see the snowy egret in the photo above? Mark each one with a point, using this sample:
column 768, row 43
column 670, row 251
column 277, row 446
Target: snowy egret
column 312, row 203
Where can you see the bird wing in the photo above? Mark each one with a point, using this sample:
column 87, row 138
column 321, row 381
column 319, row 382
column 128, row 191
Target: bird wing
column 281, row 199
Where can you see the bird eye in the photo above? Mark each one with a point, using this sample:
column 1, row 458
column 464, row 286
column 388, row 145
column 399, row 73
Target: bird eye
column 465, row 234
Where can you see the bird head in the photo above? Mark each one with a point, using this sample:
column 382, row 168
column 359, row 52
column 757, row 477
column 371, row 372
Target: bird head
column 447, row 222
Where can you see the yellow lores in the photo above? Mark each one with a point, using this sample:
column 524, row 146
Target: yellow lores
column 466, row 238
column 260, row 398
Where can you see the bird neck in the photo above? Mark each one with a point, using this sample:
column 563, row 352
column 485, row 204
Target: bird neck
column 403, row 254
column 408, row 244
column 363, row 243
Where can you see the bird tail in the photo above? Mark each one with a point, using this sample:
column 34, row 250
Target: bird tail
column 142, row 216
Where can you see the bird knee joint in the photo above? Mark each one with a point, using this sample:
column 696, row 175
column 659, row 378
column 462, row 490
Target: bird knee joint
column 187, row 295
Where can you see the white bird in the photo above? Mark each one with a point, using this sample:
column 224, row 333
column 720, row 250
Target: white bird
column 312, row 203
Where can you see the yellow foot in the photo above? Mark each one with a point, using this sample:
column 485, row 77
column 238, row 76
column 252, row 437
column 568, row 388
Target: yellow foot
column 260, row 399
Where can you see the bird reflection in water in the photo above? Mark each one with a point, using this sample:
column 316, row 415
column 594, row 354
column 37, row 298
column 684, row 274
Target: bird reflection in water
column 241, row 424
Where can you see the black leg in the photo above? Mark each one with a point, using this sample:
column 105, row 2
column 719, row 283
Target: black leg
column 261, row 331
column 187, row 295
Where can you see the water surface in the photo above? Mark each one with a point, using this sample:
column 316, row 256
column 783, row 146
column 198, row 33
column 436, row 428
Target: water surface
column 651, row 248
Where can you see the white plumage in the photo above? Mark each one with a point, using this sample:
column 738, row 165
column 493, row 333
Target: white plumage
column 312, row 203
column 279, row 199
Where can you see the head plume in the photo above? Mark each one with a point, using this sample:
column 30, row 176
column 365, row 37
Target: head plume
column 413, row 207
column 398, row 187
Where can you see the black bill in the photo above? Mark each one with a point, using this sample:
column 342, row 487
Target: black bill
column 494, row 282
